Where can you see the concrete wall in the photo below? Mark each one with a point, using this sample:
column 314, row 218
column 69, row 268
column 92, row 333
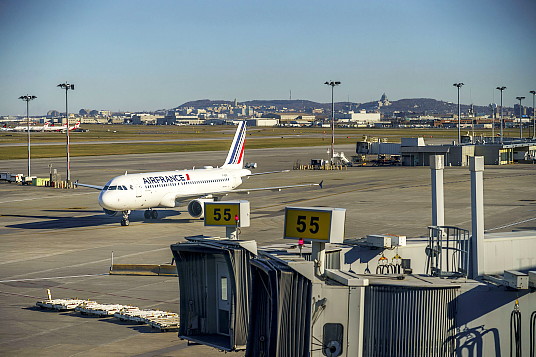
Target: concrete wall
column 262, row 122
column 490, row 153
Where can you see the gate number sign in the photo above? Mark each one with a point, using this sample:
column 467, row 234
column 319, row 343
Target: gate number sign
column 227, row 213
column 315, row 224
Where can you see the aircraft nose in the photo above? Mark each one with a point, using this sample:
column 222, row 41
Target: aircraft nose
column 106, row 200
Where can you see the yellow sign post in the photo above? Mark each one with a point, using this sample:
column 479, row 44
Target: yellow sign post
column 229, row 214
column 318, row 224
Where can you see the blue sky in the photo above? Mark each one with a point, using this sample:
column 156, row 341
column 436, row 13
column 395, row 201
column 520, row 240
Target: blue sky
column 134, row 55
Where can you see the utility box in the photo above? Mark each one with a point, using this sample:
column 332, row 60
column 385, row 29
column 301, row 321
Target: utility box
column 532, row 279
column 516, row 280
column 386, row 240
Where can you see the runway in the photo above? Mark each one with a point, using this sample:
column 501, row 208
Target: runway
column 61, row 240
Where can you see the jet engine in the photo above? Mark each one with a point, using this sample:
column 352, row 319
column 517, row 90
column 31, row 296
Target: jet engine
column 109, row 212
column 196, row 208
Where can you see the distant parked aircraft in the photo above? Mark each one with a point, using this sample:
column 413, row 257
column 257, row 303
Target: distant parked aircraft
column 32, row 127
column 62, row 127
column 46, row 127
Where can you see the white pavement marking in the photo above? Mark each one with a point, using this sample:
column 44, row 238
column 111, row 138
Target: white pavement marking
column 53, row 278
column 86, row 263
column 42, row 197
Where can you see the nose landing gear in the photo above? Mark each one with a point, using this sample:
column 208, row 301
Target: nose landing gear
column 125, row 221
column 151, row 214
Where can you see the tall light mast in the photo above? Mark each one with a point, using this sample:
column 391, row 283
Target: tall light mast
column 332, row 154
column 67, row 86
column 459, row 85
column 520, row 123
column 27, row 99
column 501, row 115
column 533, row 116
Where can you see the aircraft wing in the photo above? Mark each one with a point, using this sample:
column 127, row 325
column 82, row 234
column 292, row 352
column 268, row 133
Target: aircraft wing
column 274, row 188
column 269, row 172
column 90, row 186
column 221, row 194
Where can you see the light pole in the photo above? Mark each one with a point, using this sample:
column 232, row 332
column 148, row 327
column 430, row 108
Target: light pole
column 520, row 123
column 332, row 84
column 67, row 86
column 493, row 122
column 459, row 85
column 501, row 115
column 27, row 99
column 533, row 92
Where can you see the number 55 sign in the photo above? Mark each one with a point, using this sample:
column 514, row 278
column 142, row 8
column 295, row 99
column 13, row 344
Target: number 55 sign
column 317, row 224
column 227, row 213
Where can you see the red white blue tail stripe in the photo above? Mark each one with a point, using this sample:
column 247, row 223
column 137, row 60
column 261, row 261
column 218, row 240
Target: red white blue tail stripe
column 236, row 152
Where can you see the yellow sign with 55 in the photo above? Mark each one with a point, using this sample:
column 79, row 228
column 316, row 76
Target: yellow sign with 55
column 315, row 224
column 227, row 213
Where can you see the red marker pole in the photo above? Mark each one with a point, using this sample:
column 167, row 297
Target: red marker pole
column 300, row 245
column 237, row 221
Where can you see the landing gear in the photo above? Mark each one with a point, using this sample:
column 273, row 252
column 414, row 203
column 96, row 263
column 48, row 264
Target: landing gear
column 150, row 214
column 125, row 221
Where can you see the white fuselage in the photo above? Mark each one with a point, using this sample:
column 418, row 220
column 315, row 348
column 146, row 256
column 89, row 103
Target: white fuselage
column 163, row 189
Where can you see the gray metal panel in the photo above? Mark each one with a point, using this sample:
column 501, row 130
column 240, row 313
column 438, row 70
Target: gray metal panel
column 333, row 258
column 280, row 311
column 425, row 149
column 401, row 321
column 195, row 267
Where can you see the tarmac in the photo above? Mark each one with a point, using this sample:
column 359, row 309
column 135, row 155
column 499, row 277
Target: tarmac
column 61, row 240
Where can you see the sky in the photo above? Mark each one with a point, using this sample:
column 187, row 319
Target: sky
column 145, row 55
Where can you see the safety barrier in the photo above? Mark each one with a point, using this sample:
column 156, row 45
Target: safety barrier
column 321, row 167
column 144, row 269
column 64, row 184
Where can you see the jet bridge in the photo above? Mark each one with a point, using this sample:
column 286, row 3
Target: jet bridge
column 453, row 293
column 214, row 290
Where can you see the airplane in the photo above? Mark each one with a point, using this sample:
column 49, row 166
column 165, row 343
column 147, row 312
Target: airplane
column 62, row 127
column 146, row 191
column 32, row 127
column 46, row 127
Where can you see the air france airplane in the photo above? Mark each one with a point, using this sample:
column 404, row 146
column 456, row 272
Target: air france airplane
column 146, row 191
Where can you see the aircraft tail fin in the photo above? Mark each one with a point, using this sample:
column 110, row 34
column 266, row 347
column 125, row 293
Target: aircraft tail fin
column 76, row 126
column 235, row 157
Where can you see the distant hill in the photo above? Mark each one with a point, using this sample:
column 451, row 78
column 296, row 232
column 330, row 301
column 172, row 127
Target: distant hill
column 429, row 106
column 297, row 105
column 415, row 105
column 203, row 103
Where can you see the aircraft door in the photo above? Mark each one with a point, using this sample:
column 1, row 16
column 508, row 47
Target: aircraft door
column 223, row 297
column 138, row 190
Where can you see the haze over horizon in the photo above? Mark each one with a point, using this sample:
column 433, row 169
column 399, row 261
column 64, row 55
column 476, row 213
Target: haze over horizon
column 125, row 55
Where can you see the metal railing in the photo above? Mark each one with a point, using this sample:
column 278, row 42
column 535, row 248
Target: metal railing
column 447, row 252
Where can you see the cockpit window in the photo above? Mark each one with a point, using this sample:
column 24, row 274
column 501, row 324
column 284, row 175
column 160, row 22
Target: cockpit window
column 121, row 188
